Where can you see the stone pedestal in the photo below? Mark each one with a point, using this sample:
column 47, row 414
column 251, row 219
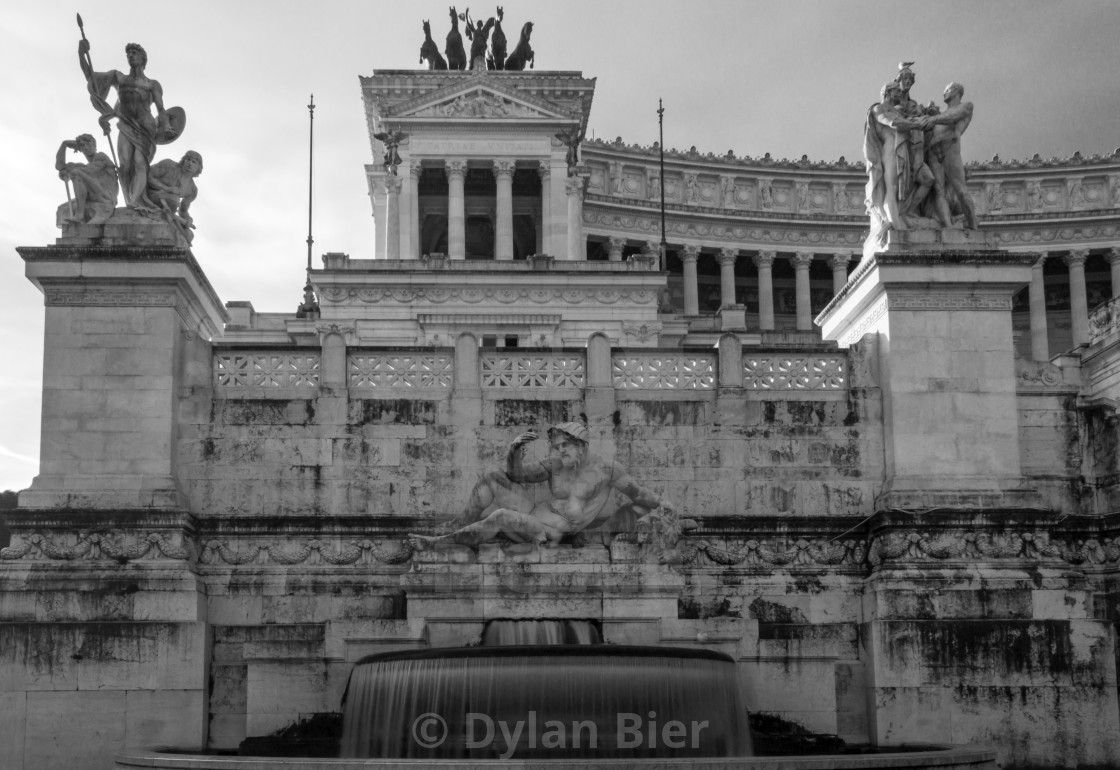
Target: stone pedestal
column 124, row 326
column 948, row 363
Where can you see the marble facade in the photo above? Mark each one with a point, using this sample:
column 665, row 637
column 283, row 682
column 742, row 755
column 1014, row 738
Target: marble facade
column 902, row 496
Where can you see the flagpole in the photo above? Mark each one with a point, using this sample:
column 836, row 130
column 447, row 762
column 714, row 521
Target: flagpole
column 661, row 147
column 310, row 176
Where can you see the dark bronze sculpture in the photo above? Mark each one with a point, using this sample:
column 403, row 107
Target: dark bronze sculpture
column 523, row 53
column 430, row 51
column 497, row 59
column 456, row 54
column 479, row 34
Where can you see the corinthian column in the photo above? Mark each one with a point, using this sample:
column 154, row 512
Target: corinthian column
column 393, row 217
column 689, row 254
column 1078, row 301
column 726, row 258
column 546, row 209
column 456, row 210
column 503, row 172
column 1114, row 263
column 1040, row 345
column 839, row 265
column 577, row 250
column 764, row 260
column 801, row 261
column 414, row 211
column 614, row 248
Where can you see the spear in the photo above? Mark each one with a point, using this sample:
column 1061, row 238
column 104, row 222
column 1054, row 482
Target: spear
column 89, row 68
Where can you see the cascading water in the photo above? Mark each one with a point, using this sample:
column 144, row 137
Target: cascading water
column 587, row 700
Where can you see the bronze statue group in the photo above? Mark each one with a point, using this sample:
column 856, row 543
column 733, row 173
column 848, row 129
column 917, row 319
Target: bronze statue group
column 480, row 37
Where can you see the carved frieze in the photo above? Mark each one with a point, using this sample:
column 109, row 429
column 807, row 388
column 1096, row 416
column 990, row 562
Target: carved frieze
column 474, row 295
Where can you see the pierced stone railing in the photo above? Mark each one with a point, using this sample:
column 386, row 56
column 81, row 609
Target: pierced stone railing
column 533, row 370
column 400, row 370
column 262, row 369
column 1104, row 320
column 663, row 371
column 819, row 372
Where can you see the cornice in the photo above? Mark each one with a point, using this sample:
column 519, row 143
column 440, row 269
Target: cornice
column 765, row 164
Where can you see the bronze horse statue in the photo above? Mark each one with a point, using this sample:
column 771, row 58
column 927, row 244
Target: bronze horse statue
column 456, row 54
column 497, row 60
column 430, row 51
column 522, row 53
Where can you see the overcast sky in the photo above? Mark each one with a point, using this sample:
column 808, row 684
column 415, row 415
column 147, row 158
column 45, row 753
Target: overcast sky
column 786, row 77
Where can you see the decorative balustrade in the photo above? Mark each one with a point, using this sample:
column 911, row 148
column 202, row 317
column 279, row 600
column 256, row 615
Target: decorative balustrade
column 399, row 370
column 533, row 370
column 682, row 371
column 266, row 370
column 405, row 370
column 820, row 372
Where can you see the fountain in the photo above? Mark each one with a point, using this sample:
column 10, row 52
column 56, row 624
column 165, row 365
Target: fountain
column 525, row 700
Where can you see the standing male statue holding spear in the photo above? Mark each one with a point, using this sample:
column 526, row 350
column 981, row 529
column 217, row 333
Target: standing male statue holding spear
column 140, row 130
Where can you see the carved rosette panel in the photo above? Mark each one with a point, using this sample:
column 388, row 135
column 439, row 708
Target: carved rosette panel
column 805, row 373
column 663, row 372
column 266, row 370
column 532, row 371
column 399, row 371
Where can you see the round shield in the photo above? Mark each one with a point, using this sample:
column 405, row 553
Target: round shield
column 176, row 122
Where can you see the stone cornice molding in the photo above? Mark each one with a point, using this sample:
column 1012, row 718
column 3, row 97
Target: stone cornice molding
column 106, row 275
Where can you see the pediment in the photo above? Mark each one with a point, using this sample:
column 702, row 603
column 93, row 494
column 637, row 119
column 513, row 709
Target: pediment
column 476, row 101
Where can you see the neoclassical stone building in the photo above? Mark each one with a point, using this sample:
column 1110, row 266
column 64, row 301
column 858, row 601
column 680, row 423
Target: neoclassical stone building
column 776, row 237
column 898, row 476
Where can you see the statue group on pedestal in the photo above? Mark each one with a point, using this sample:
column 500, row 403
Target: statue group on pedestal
column 915, row 172
column 479, row 33
column 164, row 189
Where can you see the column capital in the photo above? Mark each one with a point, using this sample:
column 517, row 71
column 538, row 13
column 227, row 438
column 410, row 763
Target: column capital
column 393, row 185
column 765, row 258
column 652, row 248
column 503, row 169
column 414, row 171
column 727, row 255
column 1038, row 263
column 544, row 170
column 801, row 260
column 690, row 252
column 456, row 169
column 1113, row 255
column 1077, row 257
column 617, row 242
column 573, row 185
column 839, row 261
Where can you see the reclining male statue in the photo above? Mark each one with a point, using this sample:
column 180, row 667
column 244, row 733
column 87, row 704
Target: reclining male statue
column 577, row 494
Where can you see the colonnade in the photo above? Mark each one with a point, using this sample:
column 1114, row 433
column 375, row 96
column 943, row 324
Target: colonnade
column 556, row 219
column 1078, row 299
column 764, row 260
